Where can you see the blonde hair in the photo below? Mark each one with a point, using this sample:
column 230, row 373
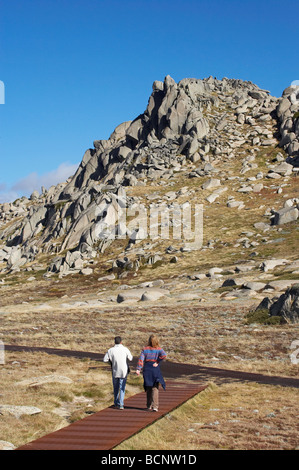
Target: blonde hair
column 153, row 341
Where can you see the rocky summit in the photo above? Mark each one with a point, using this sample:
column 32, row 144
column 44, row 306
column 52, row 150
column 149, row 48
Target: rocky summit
column 226, row 144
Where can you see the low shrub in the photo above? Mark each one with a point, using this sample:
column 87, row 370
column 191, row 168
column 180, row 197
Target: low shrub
column 262, row 316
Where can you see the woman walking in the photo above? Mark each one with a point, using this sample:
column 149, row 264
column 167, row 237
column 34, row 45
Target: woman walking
column 150, row 358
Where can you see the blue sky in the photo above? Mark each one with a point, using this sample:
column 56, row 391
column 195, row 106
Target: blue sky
column 75, row 69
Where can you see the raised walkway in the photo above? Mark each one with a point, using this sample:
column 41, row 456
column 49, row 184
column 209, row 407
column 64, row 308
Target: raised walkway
column 107, row 428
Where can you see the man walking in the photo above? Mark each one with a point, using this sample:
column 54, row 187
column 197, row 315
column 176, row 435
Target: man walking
column 118, row 357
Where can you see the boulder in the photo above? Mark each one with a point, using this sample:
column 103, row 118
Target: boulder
column 229, row 283
column 266, row 303
column 274, row 176
column 222, row 123
column 86, row 271
column 280, row 285
column 197, row 276
column 214, row 271
column 141, row 294
column 152, row 260
column 211, row 183
column 34, row 195
column 109, row 277
column 18, row 411
column 257, row 94
column 284, row 169
column 257, row 187
column 245, row 189
column 135, row 130
column 283, row 106
column 235, row 204
column 212, row 198
column 14, row 258
column 285, row 215
column 287, row 306
column 119, row 132
column 270, row 264
column 243, row 268
column 177, row 114
column 132, row 295
column 262, row 226
column 4, row 445
column 151, row 296
column 257, row 286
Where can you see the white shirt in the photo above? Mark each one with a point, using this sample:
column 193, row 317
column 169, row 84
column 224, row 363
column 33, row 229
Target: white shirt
column 118, row 355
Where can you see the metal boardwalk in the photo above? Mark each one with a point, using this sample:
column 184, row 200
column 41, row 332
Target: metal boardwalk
column 107, row 428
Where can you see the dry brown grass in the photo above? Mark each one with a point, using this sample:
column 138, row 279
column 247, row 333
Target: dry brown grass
column 60, row 403
column 211, row 335
column 230, row 417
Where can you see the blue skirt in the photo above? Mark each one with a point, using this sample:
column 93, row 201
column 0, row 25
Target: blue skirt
column 152, row 375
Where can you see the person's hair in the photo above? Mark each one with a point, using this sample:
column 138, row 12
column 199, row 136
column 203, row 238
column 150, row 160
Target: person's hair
column 117, row 339
column 153, row 341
